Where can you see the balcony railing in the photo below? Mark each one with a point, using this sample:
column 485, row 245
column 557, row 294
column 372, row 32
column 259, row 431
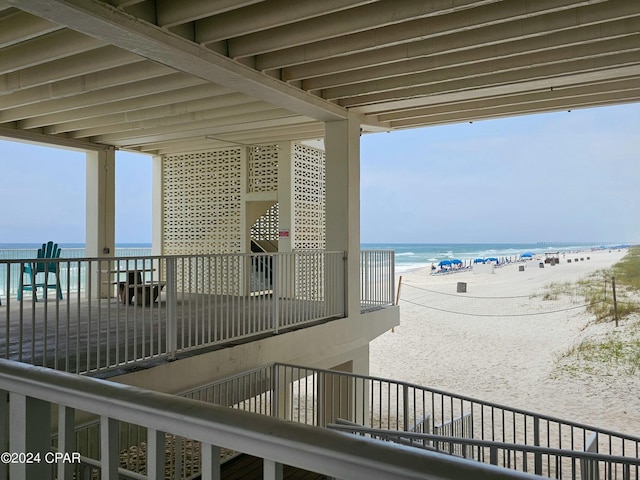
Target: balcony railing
column 203, row 431
column 377, row 277
column 92, row 314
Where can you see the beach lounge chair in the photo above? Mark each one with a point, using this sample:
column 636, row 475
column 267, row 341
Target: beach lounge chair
column 48, row 250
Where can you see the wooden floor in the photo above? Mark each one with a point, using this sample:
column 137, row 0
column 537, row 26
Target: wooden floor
column 246, row 467
column 81, row 335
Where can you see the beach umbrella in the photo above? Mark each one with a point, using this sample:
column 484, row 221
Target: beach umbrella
column 491, row 259
column 444, row 262
column 455, row 261
column 527, row 255
column 479, row 260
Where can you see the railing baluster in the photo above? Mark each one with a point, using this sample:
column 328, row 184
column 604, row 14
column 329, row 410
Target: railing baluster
column 155, row 453
column 109, row 448
column 172, row 295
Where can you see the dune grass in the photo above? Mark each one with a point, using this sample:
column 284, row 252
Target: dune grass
column 597, row 292
column 617, row 352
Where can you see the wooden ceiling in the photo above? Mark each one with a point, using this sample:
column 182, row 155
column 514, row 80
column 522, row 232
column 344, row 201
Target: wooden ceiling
column 169, row 76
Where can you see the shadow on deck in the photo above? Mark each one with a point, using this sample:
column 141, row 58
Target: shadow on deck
column 246, row 467
column 83, row 335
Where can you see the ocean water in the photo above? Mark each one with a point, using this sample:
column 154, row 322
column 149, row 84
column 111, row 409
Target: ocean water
column 69, row 250
column 418, row 255
column 408, row 255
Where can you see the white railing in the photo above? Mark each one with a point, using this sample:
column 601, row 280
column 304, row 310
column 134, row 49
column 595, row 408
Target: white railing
column 27, row 394
column 377, row 278
column 578, row 465
column 521, row 439
column 88, row 315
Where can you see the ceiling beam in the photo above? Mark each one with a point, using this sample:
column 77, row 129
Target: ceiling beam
column 262, row 136
column 460, row 91
column 179, row 121
column 503, row 38
column 172, row 13
column 365, row 18
column 481, row 61
column 20, row 26
column 47, row 140
column 122, row 119
column 266, row 16
column 540, row 96
column 103, row 58
column 99, row 97
column 127, row 106
column 116, row 77
column 203, row 129
column 439, row 81
column 46, row 48
column 503, row 111
column 432, row 27
column 116, row 27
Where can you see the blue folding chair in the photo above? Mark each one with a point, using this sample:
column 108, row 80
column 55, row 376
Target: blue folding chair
column 48, row 250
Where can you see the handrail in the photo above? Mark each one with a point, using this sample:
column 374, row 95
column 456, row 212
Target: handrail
column 320, row 450
column 469, row 399
column 304, row 394
column 486, row 443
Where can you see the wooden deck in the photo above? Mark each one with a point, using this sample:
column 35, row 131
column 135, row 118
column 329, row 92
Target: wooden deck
column 81, row 335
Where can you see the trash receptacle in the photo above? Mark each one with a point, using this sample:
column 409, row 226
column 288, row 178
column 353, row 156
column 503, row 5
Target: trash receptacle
column 462, row 287
column 541, row 265
column 521, row 268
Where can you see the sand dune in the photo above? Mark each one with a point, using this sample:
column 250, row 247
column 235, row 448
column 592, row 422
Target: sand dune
column 507, row 359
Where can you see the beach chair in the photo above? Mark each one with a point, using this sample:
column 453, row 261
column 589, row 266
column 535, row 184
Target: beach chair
column 48, row 250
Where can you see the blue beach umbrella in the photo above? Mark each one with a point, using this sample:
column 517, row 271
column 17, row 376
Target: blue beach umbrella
column 491, row 259
column 444, row 262
column 527, row 255
column 455, row 261
column 479, row 260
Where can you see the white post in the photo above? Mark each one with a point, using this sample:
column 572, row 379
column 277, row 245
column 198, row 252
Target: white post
column 100, row 220
column 342, row 144
column 4, row 432
column 210, row 455
column 155, row 453
column 272, row 470
column 109, row 449
column 66, row 440
column 172, row 303
column 29, row 431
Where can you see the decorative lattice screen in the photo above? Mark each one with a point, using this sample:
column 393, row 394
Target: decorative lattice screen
column 266, row 227
column 263, row 169
column 202, row 202
column 309, row 195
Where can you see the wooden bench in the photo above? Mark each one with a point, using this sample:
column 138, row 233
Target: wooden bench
column 134, row 287
column 147, row 293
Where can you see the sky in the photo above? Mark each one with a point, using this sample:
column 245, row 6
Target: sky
column 560, row 177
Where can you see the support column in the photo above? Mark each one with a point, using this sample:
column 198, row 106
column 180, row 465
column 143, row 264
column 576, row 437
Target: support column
column 156, row 206
column 100, row 234
column 286, row 268
column 285, row 197
column 360, row 366
column 342, row 147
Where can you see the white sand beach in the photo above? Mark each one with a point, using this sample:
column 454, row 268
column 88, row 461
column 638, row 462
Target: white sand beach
column 507, row 359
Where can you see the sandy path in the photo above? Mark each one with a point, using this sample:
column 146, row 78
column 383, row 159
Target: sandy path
column 506, row 359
